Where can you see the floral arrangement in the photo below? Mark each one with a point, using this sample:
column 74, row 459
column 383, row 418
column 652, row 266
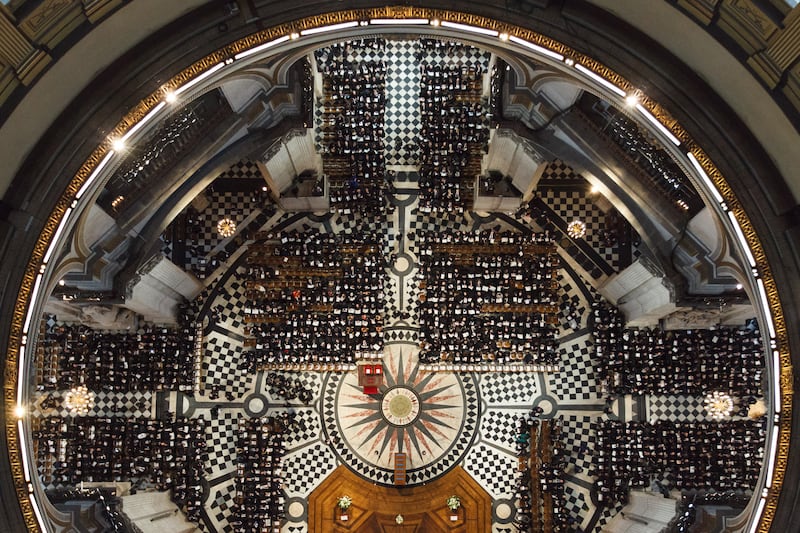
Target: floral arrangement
column 344, row 502
column 453, row 502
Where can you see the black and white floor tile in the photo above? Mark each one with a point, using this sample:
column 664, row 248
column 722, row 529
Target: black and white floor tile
column 494, row 470
column 675, row 408
column 576, row 381
column 221, row 442
column 571, row 394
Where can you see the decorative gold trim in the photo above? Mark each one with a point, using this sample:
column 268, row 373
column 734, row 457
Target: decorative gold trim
column 261, row 37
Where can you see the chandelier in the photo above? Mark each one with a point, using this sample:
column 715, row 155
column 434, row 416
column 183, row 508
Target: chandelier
column 719, row 405
column 79, row 400
column 226, row 227
column 576, row 229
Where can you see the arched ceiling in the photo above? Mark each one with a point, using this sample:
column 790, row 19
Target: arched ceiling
column 722, row 83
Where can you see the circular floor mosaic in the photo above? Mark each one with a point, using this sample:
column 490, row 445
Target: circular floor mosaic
column 431, row 417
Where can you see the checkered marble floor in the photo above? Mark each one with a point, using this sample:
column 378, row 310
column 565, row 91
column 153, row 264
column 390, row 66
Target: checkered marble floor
column 221, row 442
column 107, row 404
column 221, row 366
column 220, row 503
column 675, row 408
column 577, row 381
column 571, row 394
column 402, row 102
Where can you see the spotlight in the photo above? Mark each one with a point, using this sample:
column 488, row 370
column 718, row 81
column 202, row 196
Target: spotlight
column 631, row 100
column 170, row 97
column 19, row 411
column 118, row 145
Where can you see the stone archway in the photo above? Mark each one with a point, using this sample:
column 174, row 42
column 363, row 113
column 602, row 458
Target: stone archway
column 375, row 508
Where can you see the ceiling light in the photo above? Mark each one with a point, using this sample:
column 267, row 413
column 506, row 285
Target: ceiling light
column 330, row 27
column 79, row 400
column 471, row 29
column 389, row 22
column 576, row 229
column 118, row 145
column 170, row 97
column 631, row 100
column 19, row 411
column 719, row 405
column 226, row 227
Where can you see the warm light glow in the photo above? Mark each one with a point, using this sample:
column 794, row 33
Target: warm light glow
column 226, row 227
column 19, row 411
column 536, row 48
column 118, row 145
column 79, row 400
column 503, row 36
column 576, row 229
column 719, row 405
column 631, row 100
column 658, row 125
column 390, row 22
column 332, row 27
column 170, row 97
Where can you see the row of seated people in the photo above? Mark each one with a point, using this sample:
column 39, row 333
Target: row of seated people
column 641, row 361
column 260, row 499
column 507, row 338
column 352, row 126
column 655, row 161
column 696, row 455
column 314, row 298
column 482, row 280
column 153, row 358
column 528, row 517
column 487, row 297
column 482, row 237
column 162, row 454
column 453, row 136
column 313, row 338
column 551, row 474
column 539, row 488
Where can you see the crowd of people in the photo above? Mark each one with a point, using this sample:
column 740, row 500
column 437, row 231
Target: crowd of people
column 719, row 456
column 453, row 137
column 314, row 299
column 693, row 362
column 158, row 454
column 352, row 125
column 260, row 499
column 487, row 297
column 539, row 491
column 645, row 153
column 152, row 358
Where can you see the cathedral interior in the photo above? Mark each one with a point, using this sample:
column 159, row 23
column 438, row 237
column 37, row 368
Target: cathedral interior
column 368, row 268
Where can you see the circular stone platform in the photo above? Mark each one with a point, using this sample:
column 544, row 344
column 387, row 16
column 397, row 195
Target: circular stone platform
column 431, row 417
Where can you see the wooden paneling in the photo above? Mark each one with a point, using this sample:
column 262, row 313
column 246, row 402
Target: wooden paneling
column 423, row 508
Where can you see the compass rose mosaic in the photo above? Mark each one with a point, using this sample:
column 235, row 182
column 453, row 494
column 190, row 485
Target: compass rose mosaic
column 430, row 416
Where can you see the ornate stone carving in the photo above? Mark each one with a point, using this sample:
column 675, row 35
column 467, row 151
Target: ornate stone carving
column 221, row 55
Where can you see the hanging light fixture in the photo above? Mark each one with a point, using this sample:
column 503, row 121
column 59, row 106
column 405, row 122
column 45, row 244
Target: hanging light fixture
column 226, row 227
column 79, row 400
column 576, row 229
column 719, row 405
